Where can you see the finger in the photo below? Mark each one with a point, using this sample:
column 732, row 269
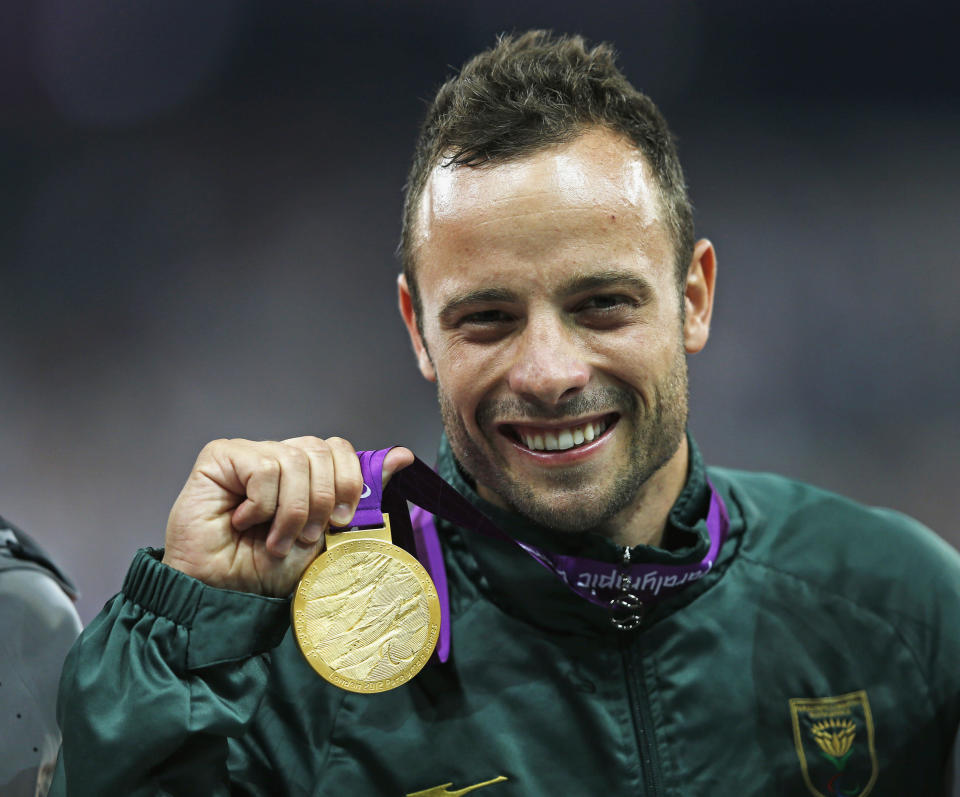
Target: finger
column 348, row 480
column 258, row 474
column 293, row 499
column 312, row 534
column 397, row 459
column 322, row 483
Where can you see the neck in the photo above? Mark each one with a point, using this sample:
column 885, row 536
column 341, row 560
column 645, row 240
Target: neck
column 644, row 521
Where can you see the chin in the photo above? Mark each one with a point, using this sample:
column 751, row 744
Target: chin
column 568, row 510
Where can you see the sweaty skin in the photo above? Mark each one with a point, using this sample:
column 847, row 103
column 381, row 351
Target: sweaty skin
column 556, row 333
column 551, row 312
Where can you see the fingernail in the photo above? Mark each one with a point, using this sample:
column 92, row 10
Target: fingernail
column 311, row 533
column 342, row 515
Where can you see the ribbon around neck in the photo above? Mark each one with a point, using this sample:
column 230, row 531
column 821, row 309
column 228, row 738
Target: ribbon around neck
column 601, row 583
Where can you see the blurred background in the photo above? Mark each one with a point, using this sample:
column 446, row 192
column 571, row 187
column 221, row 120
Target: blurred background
column 200, row 203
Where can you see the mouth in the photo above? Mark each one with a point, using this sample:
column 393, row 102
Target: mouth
column 559, row 437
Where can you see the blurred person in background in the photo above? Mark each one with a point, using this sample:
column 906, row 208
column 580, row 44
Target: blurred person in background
column 765, row 636
column 38, row 624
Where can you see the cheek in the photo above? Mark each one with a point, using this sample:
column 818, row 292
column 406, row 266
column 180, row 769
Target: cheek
column 457, row 377
column 636, row 357
column 474, row 367
column 467, row 375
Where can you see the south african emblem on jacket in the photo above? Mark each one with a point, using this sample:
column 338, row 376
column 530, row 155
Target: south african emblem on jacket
column 835, row 745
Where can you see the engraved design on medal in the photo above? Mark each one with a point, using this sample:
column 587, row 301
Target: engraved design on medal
column 366, row 615
column 369, row 614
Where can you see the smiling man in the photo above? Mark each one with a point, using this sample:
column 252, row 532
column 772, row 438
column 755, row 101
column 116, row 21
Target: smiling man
column 548, row 310
column 635, row 624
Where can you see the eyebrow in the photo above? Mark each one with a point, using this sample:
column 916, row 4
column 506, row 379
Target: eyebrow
column 608, row 278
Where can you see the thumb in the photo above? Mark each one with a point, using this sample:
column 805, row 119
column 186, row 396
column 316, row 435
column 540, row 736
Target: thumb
column 396, row 459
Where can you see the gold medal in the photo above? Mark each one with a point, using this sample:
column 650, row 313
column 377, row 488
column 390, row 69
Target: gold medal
column 366, row 614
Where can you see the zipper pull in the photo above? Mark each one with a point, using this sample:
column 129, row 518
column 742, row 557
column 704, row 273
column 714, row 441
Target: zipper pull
column 627, row 609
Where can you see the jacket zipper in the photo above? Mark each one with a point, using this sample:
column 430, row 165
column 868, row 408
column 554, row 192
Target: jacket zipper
column 639, row 700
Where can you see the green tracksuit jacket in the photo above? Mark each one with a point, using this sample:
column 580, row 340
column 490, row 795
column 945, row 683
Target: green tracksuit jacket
column 821, row 655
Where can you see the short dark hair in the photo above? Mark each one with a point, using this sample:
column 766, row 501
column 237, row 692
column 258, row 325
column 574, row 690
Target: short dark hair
column 530, row 91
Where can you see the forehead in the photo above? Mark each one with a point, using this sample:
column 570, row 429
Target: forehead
column 571, row 200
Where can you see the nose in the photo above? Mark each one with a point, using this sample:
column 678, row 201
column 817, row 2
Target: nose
column 549, row 366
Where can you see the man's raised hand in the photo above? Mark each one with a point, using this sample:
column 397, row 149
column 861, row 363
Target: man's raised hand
column 252, row 515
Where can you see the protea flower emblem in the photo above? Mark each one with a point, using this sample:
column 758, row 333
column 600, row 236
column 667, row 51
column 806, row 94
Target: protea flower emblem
column 834, row 737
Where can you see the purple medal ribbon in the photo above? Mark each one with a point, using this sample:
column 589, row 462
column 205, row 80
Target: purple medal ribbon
column 369, row 512
column 601, row 583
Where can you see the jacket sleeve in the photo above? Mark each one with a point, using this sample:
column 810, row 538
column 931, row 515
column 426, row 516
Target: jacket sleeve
column 159, row 681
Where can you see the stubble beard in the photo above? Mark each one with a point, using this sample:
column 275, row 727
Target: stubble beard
column 573, row 500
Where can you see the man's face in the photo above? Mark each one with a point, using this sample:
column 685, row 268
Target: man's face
column 553, row 326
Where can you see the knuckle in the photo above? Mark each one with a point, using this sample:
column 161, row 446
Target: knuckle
column 257, row 511
column 296, row 457
column 297, row 512
column 214, row 447
column 341, row 445
column 268, row 466
column 316, row 444
column 322, row 499
column 349, row 486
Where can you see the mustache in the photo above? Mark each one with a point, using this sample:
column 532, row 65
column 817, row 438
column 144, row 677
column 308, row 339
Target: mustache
column 603, row 399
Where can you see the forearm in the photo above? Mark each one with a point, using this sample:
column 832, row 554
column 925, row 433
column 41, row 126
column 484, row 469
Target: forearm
column 159, row 681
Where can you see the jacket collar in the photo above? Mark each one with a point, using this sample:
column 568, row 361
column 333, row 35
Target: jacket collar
column 522, row 587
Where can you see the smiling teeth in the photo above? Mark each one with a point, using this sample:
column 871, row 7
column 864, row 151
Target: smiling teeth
column 562, row 439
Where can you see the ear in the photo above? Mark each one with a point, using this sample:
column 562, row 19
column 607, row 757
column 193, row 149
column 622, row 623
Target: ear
column 698, row 296
column 410, row 319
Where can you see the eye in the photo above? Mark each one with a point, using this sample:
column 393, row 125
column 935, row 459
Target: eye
column 606, row 309
column 485, row 326
column 485, row 318
column 604, row 302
